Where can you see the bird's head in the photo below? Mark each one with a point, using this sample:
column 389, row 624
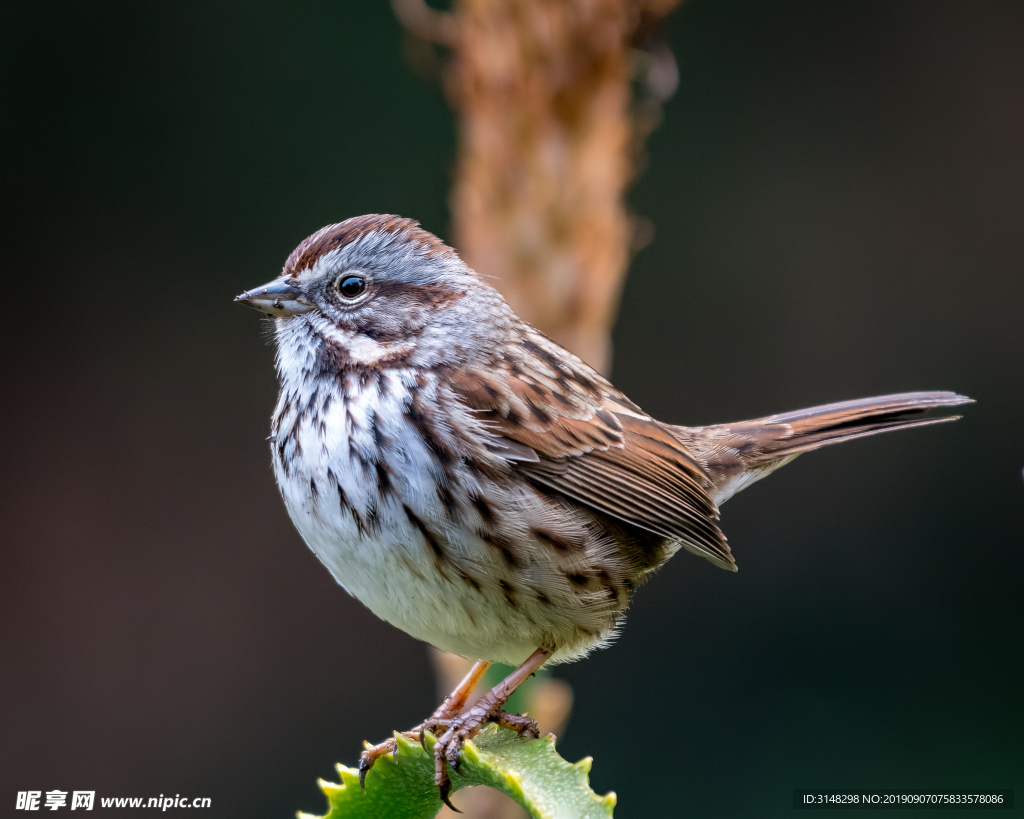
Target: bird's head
column 378, row 288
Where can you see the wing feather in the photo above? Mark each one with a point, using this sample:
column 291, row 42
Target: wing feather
column 567, row 430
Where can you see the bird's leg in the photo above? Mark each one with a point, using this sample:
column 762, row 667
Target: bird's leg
column 454, row 702
column 441, row 718
column 448, row 748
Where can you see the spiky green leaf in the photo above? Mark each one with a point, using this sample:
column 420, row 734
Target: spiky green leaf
column 530, row 771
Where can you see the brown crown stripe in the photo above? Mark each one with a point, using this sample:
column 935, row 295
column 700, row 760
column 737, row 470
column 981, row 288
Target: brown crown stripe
column 344, row 233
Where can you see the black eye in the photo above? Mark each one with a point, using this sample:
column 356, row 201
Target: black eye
column 352, row 286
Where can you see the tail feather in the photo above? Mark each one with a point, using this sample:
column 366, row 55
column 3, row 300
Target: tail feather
column 736, row 455
column 794, row 432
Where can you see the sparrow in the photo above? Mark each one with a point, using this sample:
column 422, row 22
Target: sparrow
column 480, row 487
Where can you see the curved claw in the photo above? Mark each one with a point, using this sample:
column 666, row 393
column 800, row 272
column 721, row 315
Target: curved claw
column 374, row 752
column 444, row 798
column 364, row 766
column 442, row 781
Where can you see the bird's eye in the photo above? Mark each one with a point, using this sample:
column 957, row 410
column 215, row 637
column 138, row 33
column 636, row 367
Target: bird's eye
column 352, row 286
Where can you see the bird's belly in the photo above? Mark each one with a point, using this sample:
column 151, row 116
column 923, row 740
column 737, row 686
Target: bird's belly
column 425, row 560
column 393, row 574
column 385, row 562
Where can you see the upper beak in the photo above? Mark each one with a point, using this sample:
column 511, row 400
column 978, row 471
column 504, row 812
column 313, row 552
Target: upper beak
column 277, row 298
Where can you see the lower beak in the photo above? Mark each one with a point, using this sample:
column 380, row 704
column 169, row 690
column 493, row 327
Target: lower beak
column 278, row 298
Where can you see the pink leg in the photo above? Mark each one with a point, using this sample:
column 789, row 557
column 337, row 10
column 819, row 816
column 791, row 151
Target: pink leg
column 456, row 701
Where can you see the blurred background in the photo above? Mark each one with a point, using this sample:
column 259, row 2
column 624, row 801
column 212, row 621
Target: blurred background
column 837, row 197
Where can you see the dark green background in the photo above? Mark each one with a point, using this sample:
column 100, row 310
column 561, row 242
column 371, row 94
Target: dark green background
column 838, row 192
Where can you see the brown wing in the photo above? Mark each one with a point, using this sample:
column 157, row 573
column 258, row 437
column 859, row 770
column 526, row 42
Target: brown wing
column 567, row 430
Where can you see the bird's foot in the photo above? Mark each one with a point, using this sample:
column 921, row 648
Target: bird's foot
column 374, row 752
column 448, row 748
column 437, row 723
column 453, row 723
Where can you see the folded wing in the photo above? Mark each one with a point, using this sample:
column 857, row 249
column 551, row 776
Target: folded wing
column 569, row 431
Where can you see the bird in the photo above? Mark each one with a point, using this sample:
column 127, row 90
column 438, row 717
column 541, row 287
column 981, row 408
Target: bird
column 477, row 485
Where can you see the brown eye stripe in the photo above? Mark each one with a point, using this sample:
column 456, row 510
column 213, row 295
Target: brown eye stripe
column 424, row 295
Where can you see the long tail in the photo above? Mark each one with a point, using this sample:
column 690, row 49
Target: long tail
column 736, row 455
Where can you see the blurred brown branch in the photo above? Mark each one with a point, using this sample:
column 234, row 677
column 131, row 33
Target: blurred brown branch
column 550, row 136
column 554, row 101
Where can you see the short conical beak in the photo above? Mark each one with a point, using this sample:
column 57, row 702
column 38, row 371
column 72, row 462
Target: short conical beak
column 278, row 298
